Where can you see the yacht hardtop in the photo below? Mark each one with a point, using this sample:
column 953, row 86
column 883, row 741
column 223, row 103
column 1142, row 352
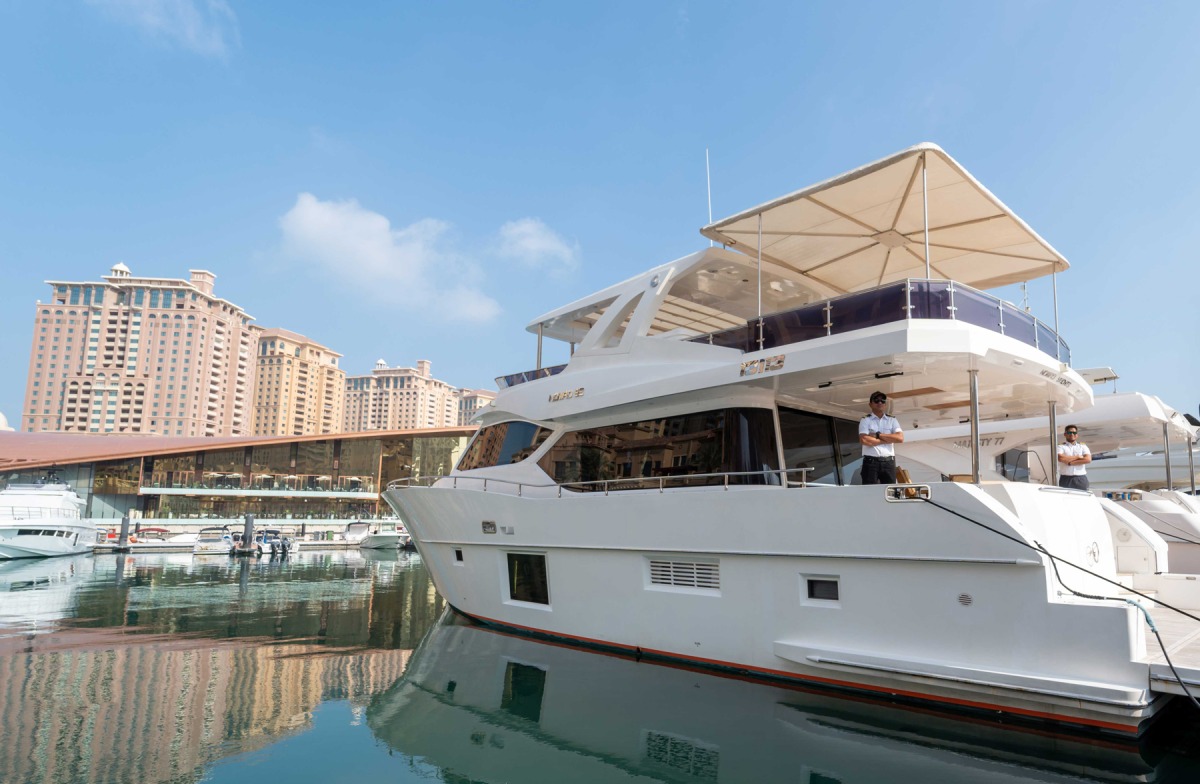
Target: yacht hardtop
column 685, row 487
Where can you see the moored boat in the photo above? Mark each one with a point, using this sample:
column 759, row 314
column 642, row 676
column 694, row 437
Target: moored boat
column 42, row 519
column 682, row 489
column 385, row 535
column 214, row 540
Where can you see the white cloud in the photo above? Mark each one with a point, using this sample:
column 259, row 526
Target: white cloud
column 207, row 27
column 413, row 266
column 533, row 244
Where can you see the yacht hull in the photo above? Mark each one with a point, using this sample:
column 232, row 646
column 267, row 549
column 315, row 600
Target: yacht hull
column 42, row 538
column 929, row 606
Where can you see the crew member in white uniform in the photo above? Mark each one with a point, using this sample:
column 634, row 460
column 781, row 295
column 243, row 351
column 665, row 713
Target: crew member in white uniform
column 1073, row 458
column 878, row 434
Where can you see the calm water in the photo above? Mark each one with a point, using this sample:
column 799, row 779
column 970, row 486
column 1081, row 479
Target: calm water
column 340, row 667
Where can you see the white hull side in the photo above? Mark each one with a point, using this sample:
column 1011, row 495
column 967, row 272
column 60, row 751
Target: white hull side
column 930, row 605
column 80, row 538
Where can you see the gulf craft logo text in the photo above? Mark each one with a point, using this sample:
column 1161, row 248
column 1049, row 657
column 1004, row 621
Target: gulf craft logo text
column 757, row 366
column 566, row 395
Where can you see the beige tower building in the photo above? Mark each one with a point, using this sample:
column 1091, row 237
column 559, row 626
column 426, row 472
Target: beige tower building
column 470, row 402
column 299, row 389
column 399, row 398
column 140, row 355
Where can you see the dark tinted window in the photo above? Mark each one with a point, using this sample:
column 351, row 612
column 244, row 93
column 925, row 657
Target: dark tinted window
column 823, row 589
column 682, row 448
column 849, row 450
column 527, row 578
column 808, row 443
column 507, row 442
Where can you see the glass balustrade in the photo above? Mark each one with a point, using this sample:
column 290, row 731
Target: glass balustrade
column 907, row 299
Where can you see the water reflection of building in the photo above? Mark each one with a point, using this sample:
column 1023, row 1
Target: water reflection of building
column 157, row 713
column 299, row 477
column 175, row 668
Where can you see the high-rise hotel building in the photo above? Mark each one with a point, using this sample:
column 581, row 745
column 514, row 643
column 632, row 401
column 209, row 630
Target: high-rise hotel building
column 298, row 387
column 140, row 355
column 399, row 398
column 471, row 402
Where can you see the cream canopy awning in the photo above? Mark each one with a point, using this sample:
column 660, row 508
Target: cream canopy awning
column 866, row 228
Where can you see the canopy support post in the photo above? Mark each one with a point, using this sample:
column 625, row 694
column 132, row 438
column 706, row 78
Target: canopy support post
column 1191, row 467
column 1167, row 452
column 1053, row 445
column 925, row 206
column 1057, row 339
column 974, row 376
column 760, row 318
column 539, row 351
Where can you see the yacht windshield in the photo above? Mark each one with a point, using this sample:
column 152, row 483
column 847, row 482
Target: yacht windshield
column 507, row 442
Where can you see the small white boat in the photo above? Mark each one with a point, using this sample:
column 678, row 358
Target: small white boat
column 388, row 534
column 275, row 542
column 357, row 531
column 43, row 519
column 215, row 540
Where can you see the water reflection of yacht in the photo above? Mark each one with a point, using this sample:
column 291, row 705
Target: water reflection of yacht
column 35, row 592
column 490, row 707
column 43, row 519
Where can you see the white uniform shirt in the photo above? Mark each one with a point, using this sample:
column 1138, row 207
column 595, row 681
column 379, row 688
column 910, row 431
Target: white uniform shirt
column 1073, row 450
column 884, row 424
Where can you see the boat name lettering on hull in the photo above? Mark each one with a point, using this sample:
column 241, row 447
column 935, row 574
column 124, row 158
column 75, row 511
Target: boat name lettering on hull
column 989, row 441
column 1066, row 382
column 758, row 366
column 566, row 395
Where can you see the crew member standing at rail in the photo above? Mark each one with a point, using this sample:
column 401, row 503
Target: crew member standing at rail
column 1073, row 458
column 878, row 433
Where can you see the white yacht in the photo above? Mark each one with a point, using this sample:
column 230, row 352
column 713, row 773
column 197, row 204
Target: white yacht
column 682, row 488
column 385, row 535
column 43, row 519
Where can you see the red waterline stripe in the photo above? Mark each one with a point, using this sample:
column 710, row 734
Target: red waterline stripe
column 1124, row 728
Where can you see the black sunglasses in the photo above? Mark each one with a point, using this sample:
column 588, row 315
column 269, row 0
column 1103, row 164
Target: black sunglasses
column 1072, row 432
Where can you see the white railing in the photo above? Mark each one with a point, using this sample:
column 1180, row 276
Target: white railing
column 780, row 477
column 36, row 513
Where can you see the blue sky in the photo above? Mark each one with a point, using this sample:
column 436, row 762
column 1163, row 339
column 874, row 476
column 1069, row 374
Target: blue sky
column 420, row 180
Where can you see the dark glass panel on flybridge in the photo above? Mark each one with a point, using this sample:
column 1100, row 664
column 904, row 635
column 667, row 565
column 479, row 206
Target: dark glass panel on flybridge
column 795, row 326
column 976, row 308
column 868, row 309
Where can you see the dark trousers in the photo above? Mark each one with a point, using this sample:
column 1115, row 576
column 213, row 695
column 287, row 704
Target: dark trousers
column 1073, row 482
column 878, row 470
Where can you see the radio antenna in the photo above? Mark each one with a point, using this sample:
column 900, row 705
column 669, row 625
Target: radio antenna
column 708, row 177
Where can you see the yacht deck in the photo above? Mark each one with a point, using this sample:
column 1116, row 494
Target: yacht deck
column 1181, row 636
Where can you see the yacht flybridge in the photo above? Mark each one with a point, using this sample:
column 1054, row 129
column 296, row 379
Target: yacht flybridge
column 684, row 488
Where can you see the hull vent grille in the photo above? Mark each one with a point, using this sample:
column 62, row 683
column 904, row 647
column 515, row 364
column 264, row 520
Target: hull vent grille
column 685, row 574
